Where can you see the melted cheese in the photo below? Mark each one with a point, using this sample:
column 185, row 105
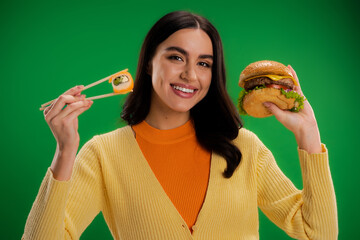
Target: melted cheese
column 274, row 78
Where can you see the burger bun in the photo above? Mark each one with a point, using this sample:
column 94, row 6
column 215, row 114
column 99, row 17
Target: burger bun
column 253, row 102
column 263, row 68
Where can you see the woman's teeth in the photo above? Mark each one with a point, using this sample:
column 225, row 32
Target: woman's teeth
column 185, row 90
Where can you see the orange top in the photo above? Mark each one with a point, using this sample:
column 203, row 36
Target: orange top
column 179, row 163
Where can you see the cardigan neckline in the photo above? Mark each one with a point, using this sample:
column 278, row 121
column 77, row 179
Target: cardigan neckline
column 150, row 176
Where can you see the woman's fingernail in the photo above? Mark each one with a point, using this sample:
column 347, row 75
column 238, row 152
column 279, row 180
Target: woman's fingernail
column 266, row 104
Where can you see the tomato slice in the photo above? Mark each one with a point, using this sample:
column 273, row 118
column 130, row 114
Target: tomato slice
column 276, row 86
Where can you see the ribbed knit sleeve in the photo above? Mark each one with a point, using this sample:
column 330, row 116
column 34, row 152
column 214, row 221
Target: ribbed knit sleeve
column 63, row 209
column 307, row 214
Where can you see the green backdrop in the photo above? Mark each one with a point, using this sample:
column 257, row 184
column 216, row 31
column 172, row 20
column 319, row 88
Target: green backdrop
column 49, row 46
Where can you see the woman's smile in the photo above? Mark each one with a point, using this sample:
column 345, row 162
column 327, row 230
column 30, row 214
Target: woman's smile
column 181, row 72
column 182, row 90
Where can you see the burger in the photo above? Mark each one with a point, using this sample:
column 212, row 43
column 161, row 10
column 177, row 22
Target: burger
column 267, row 81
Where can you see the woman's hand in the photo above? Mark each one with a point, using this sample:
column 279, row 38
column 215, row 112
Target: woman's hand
column 302, row 124
column 63, row 123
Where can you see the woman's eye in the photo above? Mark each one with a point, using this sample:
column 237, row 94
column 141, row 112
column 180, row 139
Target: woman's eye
column 177, row 58
column 204, row 64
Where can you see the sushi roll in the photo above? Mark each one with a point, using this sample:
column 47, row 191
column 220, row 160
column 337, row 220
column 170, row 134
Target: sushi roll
column 122, row 82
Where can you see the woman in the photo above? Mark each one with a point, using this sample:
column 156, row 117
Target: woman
column 181, row 169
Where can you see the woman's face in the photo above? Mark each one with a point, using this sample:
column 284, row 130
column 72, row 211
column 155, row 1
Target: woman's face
column 181, row 70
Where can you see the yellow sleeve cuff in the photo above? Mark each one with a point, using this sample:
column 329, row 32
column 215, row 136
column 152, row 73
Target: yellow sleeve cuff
column 323, row 150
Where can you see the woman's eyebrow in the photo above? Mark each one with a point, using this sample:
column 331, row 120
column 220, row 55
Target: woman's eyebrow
column 178, row 49
column 206, row 56
column 182, row 51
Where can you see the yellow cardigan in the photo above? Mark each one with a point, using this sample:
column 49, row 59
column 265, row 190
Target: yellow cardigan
column 111, row 175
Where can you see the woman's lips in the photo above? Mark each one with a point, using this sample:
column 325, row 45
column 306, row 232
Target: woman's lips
column 184, row 91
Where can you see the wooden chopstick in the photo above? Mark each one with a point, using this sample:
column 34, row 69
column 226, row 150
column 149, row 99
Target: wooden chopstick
column 44, row 105
column 95, row 97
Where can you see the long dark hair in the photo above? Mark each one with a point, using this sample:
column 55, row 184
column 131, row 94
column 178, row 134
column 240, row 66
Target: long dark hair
column 215, row 117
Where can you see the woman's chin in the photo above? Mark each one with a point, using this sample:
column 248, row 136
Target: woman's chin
column 182, row 108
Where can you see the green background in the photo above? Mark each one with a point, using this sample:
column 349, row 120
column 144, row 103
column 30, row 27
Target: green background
column 47, row 47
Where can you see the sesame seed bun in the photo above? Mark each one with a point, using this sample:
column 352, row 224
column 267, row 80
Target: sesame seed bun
column 263, row 68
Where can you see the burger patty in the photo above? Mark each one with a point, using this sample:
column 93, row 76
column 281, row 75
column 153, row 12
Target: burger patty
column 249, row 85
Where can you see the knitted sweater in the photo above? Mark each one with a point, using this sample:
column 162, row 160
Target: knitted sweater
column 111, row 175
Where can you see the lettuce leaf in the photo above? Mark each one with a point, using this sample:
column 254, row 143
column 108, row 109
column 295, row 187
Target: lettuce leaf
column 299, row 100
column 240, row 101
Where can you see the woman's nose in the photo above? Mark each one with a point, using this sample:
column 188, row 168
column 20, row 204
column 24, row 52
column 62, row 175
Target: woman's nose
column 189, row 73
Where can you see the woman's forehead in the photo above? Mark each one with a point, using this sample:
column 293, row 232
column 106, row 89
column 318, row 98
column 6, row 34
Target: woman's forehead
column 191, row 40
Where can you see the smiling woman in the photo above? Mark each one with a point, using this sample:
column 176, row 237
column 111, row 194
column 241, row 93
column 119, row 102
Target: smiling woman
column 184, row 50
column 174, row 171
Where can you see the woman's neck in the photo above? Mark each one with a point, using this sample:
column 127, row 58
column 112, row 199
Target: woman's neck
column 166, row 120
